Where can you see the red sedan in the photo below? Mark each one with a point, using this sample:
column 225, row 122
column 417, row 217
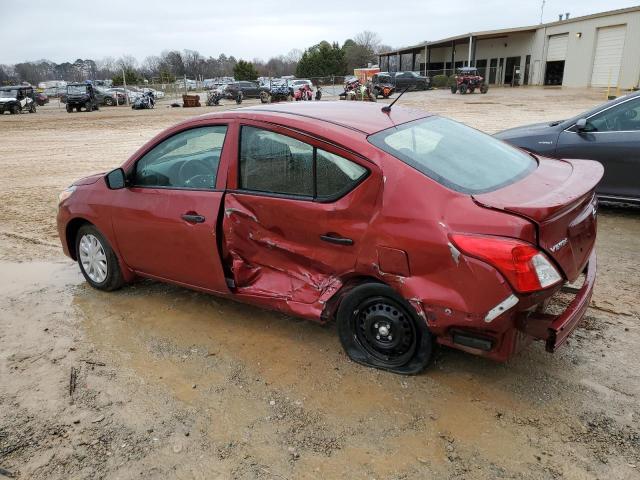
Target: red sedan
column 406, row 228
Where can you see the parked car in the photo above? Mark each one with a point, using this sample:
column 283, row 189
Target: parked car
column 113, row 95
column 130, row 92
column 411, row 80
column 17, row 99
column 41, row 98
column 405, row 227
column 82, row 95
column 248, row 89
column 608, row 133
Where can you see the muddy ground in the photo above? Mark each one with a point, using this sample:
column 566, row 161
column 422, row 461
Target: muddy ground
column 168, row 383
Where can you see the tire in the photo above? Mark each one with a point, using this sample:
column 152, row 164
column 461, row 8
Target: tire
column 463, row 89
column 97, row 261
column 369, row 316
column 484, row 89
column 33, row 108
column 69, row 109
column 109, row 102
column 15, row 109
column 265, row 97
column 454, row 88
column 88, row 106
column 78, row 108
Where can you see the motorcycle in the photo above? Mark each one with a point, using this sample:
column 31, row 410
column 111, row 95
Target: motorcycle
column 213, row 98
column 144, row 101
column 354, row 90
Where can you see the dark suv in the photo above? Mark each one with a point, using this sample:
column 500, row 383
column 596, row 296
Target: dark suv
column 248, row 89
column 82, row 95
column 411, row 80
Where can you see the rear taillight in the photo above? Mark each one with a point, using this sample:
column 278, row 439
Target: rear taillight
column 525, row 267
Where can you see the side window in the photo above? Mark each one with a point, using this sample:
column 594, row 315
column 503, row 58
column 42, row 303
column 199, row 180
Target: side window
column 188, row 159
column 274, row 163
column 624, row 117
column 335, row 175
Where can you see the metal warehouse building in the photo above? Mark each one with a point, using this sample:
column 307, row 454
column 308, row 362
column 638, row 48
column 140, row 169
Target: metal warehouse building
column 594, row 50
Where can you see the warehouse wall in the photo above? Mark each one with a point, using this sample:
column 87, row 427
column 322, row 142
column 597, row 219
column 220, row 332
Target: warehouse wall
column 581, row 50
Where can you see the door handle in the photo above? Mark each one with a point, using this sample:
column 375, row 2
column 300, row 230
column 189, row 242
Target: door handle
column 338, row 240
column 193, row 218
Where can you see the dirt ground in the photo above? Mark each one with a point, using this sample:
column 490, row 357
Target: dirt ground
column 175, row 384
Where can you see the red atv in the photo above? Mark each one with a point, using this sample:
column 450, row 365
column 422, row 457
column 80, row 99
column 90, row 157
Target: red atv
column 467, row 80
column 303, row 93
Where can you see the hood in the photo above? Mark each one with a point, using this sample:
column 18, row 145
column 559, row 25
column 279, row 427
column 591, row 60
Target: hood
column 559, row 197
column 526, row 130
column 91, row 179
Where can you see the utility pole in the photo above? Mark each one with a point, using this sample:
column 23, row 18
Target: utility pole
column 124, row 82
column 542, row 10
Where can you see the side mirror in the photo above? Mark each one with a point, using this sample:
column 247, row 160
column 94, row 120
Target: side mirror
column 115, row 179
column 581, row 124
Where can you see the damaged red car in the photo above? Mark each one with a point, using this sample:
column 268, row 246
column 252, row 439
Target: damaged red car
column 408, row 229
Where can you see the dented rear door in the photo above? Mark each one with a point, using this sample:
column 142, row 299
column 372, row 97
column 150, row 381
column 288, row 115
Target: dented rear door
column 285, row 235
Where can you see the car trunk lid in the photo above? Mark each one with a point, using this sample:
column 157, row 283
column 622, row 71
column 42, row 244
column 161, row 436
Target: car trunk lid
column 559, row 197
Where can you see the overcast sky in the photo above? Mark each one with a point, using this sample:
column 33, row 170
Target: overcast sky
column 63, row 30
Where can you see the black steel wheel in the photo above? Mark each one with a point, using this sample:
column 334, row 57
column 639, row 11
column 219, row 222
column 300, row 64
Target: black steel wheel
column 378, row 328
column 454, row 88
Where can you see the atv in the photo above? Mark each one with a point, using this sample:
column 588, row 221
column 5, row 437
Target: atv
column 144, row 101
column 82, row 95
column 275, row 92
column 382, row 85
column 467, row 79
column 17, row 99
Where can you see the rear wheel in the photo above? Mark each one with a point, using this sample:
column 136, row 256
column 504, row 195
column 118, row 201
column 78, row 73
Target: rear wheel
column 463, row 89
column 454, row 88
column 88, row 107
column 98, row 263
column 484, row 88
column 69, row 109
column 15, row 109
column 378, row 328
column 109, row 102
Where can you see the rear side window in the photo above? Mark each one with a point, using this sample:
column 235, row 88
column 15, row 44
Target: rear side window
column 188, row 159
column 275, row 163
column 454, row 155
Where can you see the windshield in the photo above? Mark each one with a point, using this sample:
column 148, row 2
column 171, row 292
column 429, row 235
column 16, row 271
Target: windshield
column 76, row 89
column 9, row 93
column 456, row 156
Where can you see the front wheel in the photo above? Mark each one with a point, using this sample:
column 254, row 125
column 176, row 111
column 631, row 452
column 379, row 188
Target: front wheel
column 378, row 328
column 265, row 97
column 97, row 260
column 33, row 108
column 484, row 88
column 463, row 89
column 15, row 109
column 454, row 88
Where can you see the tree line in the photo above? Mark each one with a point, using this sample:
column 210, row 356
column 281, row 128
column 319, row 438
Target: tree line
column 323, row 59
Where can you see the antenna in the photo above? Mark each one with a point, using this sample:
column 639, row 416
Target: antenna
column 387, row 108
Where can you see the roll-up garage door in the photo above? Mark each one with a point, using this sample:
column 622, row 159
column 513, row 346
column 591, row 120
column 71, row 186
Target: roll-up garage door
column 608, row 57
column 557, row 47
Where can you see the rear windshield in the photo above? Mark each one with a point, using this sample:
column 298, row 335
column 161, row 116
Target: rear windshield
column 454, row 155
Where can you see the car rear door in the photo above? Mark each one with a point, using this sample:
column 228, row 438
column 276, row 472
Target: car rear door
column 612, row 137
column 294, row 222
column 166, row 220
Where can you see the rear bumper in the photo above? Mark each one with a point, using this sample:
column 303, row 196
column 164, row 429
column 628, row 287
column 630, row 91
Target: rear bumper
column 555, row 329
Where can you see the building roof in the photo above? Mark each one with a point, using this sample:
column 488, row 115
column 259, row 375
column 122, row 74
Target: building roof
column 504, row 31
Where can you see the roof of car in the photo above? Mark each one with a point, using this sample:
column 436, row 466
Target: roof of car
column 365, row 117
column 15, row 87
